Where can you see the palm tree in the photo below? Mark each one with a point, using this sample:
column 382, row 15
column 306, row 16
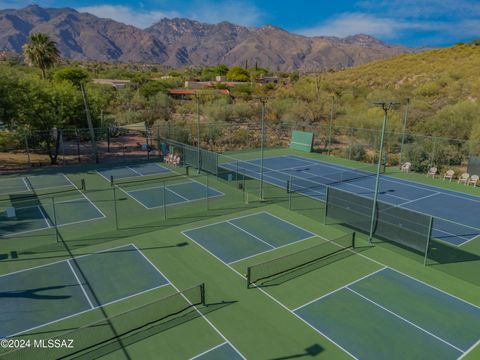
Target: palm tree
column 40, row 51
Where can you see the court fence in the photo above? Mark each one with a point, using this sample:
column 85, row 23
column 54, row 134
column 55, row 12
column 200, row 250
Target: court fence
column 91, row 339
column 114, row 144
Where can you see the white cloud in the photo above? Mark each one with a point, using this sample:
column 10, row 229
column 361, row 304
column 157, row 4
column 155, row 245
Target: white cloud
column 237, row 12
column 139, row 18
column 356, row 23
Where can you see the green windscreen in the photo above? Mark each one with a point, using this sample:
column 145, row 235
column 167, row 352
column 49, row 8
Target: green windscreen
column 392, row 223
column 300, row 258
column 302, row 141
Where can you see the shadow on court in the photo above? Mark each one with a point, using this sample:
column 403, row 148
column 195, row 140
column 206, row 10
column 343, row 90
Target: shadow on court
column 311, row 351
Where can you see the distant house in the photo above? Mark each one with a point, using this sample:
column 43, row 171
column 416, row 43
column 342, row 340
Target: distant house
column 264, row 80
column 117, row 84
column 188, row 94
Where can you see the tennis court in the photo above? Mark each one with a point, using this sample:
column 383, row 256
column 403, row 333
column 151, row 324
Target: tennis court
column 389, row 315
column 455, row 214
column 220, row 352
column 173, row 192
column 243, row 237
column 133, row 171
column 34, row 212
column 63, row 289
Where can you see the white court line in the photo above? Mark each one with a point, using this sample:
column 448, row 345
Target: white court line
column 248, row 233
column 99, row 173
column 175, row 193
column 128, row 193
column 267, row 251
column 469, row 350
column 403, row 182
column 207, row 351
column 86, row 198
column 364, row 188
column 79, row 283
column 422, row 198
column 405, row 320
column 198, row 311
column 44, row 217
column 26, row 184
column 222, row 221
column 340, row 288
column 133, row 197
column 135, row 171
column 96, row 307
column 271, row 297
column 362, row 255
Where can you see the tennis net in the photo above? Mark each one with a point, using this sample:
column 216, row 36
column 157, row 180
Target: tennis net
column 297, row 184
column 91, row 337
column 300, row 258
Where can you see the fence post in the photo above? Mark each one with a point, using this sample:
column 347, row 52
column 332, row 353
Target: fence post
column 432, row 160
column 55, row 218
column 28, row 149
column 206, row 194
column 430, row 228
column 164, row 202
column 405, row 119
column 115, row 207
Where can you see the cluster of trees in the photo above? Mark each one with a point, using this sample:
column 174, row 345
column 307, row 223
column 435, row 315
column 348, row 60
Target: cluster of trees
column 443, row 95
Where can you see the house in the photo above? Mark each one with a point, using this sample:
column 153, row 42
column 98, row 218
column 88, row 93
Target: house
column 264, row 80
column 117, row 84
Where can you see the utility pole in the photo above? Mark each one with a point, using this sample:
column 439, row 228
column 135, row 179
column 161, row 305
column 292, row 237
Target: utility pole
column 405, row 119
column 386, row 106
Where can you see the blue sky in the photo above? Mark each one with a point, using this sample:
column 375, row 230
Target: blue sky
column 408, row 22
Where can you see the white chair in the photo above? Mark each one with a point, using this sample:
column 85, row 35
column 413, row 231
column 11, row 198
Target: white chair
column 432, row 172
column 464, row 178
column 473, row 180
column 406, row 167
column 449, row 175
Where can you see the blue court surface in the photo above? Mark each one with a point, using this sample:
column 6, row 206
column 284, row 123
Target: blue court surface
column 244, row 237
column 456, row 215
column 133, row 171
column 35, row 297
column 33, row 213
column 175, row 193
column 389, row 315
column 28, row 184
column 223, row 351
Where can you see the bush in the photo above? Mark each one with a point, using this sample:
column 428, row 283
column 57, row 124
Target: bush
column 418, row 156
column 355, row 152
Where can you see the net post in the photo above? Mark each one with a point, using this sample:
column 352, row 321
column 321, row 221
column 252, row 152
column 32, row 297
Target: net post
column 427, row 246
column 206, row 191
column 111, row 181
column 83, row 186
column 55, row 218
column 202, row 294
column 164, row 201
column 326, row 205
column 289, row 192
column 354, row 234
column 249, row 277
column 115, row 207
column 236, row 173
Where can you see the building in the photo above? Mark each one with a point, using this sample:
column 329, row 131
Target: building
column 117, row 84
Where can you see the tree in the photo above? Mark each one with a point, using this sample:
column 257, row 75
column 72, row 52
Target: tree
column 239, row 74
column 75, row 75
column 41, row 52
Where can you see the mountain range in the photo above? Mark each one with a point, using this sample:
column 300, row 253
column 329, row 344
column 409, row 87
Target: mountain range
column 182, row 42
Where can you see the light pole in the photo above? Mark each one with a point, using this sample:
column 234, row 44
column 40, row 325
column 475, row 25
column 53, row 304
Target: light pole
column 405, row 119
column 330, row 125
column 385, row 106
column 198, row 132
column 262, row 140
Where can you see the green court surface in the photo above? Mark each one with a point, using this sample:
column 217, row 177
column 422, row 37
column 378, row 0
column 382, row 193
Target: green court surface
column 155, row 264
